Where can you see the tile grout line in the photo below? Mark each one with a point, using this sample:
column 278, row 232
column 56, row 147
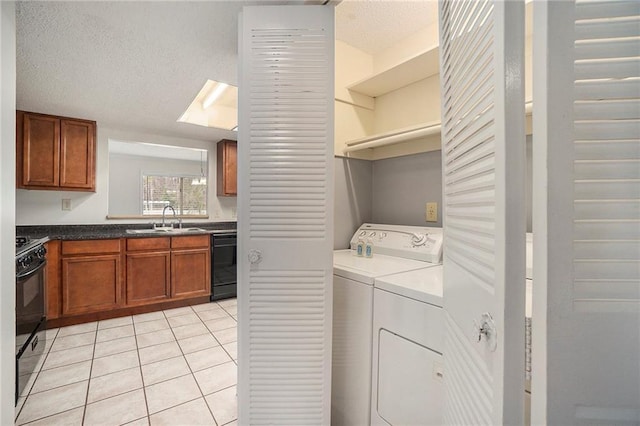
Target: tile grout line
column 135, row 336
column 191, row 370
column 144, row 390
column 26, row 397
column 219, row 343
column 86, row 397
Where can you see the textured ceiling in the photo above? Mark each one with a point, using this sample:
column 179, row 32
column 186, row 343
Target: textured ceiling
column 138, row 65
column 134, row 65
column 374, row 25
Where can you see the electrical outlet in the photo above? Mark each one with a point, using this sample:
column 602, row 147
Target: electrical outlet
column 432, row 212
column 66, row 204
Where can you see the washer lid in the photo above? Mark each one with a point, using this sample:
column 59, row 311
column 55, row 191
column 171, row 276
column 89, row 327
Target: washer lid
column 346, row 264
column 423, row 284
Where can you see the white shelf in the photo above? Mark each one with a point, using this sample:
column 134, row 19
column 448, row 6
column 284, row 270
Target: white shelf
column 405, row 134
column 393, row 137
column 414, row 69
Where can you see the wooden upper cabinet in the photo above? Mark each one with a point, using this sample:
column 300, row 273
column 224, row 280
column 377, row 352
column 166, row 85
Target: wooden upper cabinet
column 55, row 153
column 77, row 154
column 41, row 151
column 227, row 168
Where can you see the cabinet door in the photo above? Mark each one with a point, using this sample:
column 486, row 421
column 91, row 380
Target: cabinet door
column 40, row 151
column 53, row 291
column 148, row 277
column 77, row 154
column 227, row 166
column 90, row 284
column 190, row 273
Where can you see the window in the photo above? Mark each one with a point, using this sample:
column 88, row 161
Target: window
column 187, row 194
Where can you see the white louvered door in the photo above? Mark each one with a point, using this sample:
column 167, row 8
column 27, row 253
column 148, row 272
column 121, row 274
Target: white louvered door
column 285, row 214
column 586, row 218
column 483, row 137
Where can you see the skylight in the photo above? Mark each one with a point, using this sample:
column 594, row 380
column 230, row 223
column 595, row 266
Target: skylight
column 216, row 105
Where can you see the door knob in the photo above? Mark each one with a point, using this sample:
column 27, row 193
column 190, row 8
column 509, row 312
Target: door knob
column 255, row 256
column 486, row 329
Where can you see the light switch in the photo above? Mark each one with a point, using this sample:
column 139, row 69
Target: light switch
column 66, row 204
column 432, row 212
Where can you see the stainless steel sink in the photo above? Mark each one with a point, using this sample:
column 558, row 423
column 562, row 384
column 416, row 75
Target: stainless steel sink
column 165, row 231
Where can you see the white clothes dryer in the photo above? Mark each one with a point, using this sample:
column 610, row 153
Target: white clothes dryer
column 408, row 341
column 396, row 249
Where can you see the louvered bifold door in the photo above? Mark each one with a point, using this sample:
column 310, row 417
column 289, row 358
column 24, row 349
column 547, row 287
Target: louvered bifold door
column 285, row 214
column 586, row 219
column 481, row 74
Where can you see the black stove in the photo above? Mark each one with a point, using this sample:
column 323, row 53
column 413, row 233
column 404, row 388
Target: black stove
column 27, row 244
column 31, row 315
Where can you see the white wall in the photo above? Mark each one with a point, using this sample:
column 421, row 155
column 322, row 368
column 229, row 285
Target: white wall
column 352, row 198
column 45, row 207
column 125, row 179
column 7, row 210
column 403, row 185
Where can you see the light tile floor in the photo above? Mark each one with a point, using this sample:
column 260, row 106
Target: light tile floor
column 174, row 367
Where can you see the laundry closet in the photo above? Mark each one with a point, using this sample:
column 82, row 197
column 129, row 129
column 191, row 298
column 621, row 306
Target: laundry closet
column 585, row 158
column 388, row 170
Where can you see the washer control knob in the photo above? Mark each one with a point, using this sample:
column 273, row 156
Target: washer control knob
column 418, row 239
column 363, row 233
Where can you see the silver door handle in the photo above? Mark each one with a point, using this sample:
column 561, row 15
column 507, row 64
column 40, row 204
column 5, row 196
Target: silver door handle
column 255, row 256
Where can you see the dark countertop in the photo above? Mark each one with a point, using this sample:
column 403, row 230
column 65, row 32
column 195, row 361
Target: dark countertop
column 99, row 232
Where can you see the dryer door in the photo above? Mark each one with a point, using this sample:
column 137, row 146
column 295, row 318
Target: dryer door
column 409, row 382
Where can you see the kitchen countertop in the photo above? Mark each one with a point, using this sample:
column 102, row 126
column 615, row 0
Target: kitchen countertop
column 106, row 231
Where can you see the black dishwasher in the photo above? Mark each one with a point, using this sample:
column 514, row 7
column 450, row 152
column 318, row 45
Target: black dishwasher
column 223, row 264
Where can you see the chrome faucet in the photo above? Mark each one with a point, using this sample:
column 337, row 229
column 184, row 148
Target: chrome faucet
column 164, row 210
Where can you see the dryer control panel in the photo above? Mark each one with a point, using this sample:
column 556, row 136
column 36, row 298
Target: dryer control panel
column 409, row 242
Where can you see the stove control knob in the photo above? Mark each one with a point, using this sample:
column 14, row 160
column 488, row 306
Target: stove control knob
column 25, row 261
column 418, row 239
column 41, row 252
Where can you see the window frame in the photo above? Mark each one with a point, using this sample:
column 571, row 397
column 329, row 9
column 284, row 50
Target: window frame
column 180, row 208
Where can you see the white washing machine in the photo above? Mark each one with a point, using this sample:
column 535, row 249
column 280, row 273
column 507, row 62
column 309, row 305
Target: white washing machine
column 396, row 249
column 408, row 341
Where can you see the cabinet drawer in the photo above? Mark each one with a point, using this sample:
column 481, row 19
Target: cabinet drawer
column 193, row 241
column 160, row 243
column 90, row 246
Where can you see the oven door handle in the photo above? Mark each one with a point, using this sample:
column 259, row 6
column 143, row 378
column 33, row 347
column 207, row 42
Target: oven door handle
column 225, row 245
column 32, row 272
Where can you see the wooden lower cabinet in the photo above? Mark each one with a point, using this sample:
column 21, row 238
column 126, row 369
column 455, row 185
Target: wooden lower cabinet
column 53, row 291
column 97, row 279
column 148, row 277
column 90, row 283
column 190, row 273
